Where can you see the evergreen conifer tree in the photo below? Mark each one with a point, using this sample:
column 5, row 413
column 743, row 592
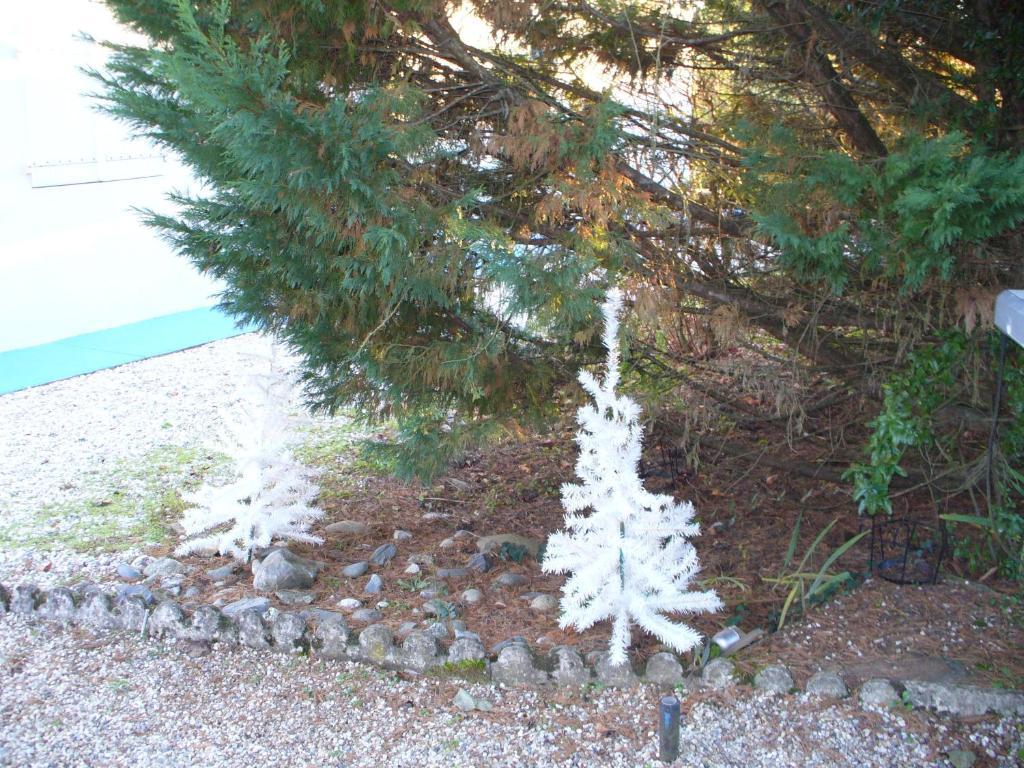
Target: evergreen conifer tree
column 630, row 558
column 430, row 217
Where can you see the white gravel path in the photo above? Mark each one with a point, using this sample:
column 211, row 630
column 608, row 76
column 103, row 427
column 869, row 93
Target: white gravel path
column 69, row 700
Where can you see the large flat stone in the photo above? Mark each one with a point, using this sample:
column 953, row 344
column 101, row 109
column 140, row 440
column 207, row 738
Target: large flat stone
column 964, row 700
column 258, row 604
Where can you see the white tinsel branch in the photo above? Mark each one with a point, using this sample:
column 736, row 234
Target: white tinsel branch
column 630, row 559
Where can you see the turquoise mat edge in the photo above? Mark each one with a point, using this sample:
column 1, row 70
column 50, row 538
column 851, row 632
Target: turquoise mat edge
column 90, row 352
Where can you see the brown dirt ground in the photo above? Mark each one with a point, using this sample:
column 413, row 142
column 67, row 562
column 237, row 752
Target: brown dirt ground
column 747, row 514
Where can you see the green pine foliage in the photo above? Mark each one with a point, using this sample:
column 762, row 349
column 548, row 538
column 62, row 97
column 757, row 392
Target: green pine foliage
column 907, row 219
column 333, row 212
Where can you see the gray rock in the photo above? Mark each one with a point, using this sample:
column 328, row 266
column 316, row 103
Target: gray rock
column 412, row 569
column 289, row 633
column 209, row 625
column 127, row 572
column 282, row 569
column 132, row 614
column 484, row 705
column 402, row 536
column 664, row 669
column 544, row 603
column 463, row 534
column 446, row 544
column 826, row 684
column 568, row 667
column 466, row 649
column 438, row 629
column 458, row 626
column 330, row 638
column 718, row 674
column 877, row 692
column 296, row 597
column 774, row 678
column 97, row 611
column 421, row 558
column 481, row 562
column 383, row 554
column 614, row 675
column 405, row 629
column 58, row 605
column 377, row 644
column 374, row 585
column 347, row 528
column 164, row 566
column 224, row 572
column 472, row 596
column 257, row 604
column 464, row 701
column 963, row 700
column 515, row 666
column 961, row 758
column 25, row 599
column 252, row 631
column 141, row 591
column 487, row 543
column 452, row 573
column 421, row 652
column 355, row 570
column 168, row 620
column 528, row 596
column 514, row 640
column 510, row 580
column 192, row 592
column 366, row 615
column 349, row 604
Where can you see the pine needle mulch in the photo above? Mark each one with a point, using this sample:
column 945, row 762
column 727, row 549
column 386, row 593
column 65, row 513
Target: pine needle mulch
column 747, row 514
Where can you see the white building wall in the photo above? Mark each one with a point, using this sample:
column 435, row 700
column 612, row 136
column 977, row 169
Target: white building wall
column 74, row 256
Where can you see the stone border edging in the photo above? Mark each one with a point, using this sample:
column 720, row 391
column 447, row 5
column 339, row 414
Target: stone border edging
column 327, row 635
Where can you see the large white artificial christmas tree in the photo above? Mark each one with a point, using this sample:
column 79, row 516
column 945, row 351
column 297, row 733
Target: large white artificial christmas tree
column 630, row 558
column 271, row 495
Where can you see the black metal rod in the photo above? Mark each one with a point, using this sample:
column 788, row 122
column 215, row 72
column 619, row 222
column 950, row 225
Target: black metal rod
column 668, row 729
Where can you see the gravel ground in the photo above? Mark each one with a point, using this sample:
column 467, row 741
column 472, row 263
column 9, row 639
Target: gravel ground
column 67, row 699
column 70, row 699
column 77, row 441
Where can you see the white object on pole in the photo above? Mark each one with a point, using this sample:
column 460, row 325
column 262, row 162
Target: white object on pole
column 1010, row 315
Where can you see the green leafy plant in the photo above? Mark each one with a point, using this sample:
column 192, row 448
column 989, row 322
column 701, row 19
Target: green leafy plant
column 444, row 610
column 415, row 584
column 933, row 378
column 806, row 587
column 514, row 553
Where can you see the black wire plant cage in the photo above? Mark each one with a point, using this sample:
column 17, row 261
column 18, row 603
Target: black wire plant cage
column 907, row 550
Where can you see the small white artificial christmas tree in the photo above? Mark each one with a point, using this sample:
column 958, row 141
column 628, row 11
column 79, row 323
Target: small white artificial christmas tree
column 630, row 558
column 271, row 494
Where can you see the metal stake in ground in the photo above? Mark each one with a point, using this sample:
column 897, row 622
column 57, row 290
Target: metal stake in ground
column 668, row 729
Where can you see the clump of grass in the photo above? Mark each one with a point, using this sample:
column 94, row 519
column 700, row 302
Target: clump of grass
column 467, row 669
